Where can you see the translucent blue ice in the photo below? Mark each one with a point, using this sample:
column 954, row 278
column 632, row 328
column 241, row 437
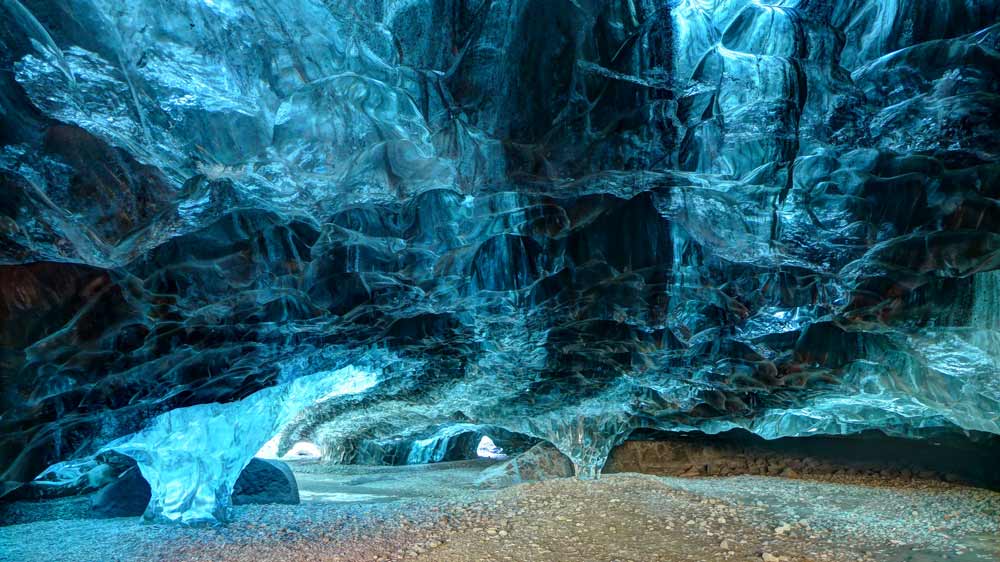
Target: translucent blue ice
column 192, row 456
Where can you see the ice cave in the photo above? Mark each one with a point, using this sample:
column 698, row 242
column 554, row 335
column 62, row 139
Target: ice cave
column 500, row 280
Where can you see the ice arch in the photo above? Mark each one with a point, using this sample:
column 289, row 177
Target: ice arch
column 192, row 456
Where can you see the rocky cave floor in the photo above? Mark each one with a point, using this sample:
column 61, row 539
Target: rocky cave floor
column 434, row 513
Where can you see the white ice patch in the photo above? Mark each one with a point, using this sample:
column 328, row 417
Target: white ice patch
column 487, row 449
column 303, row 450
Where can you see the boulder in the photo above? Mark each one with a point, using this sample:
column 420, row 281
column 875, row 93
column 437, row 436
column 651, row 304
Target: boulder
column 127, row 496
column 541, row 462
column 266, row 481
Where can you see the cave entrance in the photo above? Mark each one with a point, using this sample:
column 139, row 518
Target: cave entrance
column 301, row 450
column 304, row 450
column 487, row 449
column 432, row 445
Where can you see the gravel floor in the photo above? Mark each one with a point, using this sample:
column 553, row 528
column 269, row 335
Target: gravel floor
column 435, row 515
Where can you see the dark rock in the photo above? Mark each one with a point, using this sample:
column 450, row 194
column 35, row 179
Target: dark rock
column 266, row 481
column 127, row 496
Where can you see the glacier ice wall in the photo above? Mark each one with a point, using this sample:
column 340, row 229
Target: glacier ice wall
column 567, row 219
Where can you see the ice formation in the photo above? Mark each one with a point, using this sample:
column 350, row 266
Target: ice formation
column 192, row 456
column 564, row 220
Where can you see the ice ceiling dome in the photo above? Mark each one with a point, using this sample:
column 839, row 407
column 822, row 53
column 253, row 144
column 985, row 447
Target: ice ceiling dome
column 561, row 218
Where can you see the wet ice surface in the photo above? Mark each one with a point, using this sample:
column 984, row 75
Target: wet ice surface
column 365, row 484
column 342, row 497
column 619, row 517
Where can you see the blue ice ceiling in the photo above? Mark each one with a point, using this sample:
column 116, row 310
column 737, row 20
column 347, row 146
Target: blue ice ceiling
column 566, row 219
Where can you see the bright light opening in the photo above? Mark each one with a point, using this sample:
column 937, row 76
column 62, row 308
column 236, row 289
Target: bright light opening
column 270, row 449
column 301, row 450
column 487, row 449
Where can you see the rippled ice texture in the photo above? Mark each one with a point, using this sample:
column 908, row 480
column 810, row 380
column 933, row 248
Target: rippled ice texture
column 557, row 219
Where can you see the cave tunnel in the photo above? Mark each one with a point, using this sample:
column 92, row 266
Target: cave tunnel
column 500, row 280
